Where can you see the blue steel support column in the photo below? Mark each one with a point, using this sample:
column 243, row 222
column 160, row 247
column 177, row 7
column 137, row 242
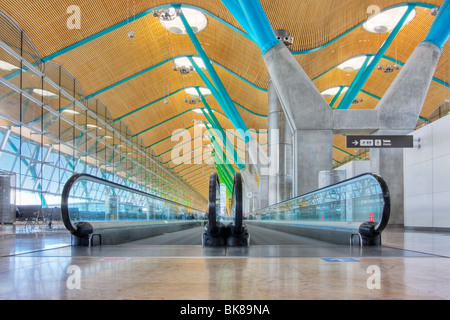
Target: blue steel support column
column 357, row 85
column 230, row 147
column 307, row 113
column 228, row 105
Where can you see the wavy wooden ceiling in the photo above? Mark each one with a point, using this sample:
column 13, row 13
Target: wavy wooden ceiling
column 108, row 59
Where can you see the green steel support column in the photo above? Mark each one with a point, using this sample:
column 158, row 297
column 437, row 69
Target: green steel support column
column 215, row 123
column 357, row 86
column 219, row 151
column 224, row 176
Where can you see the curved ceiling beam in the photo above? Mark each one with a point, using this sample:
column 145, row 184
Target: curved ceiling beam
column 148, row 11
column 400, row 63
column 137, row 74
column 414, row 3
column 170, row 94
column 130, row 20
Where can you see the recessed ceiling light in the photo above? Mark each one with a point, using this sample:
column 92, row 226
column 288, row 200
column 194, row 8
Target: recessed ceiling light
column 6, row 66
column 45, row 93
column 353, row 64
column 193, row 91
column 330, row 92
column 385, row 21
column 172, row 22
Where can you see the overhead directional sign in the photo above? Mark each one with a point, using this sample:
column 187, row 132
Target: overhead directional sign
column 379, row 141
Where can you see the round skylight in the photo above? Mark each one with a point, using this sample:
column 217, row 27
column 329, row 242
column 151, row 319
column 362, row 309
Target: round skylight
column 330, row 92
column 184, row 62
column 172, row 22
column 385, row 21
column 193, row 92
column 354, row 63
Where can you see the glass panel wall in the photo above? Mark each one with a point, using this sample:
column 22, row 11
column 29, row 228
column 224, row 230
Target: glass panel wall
column 49, row 131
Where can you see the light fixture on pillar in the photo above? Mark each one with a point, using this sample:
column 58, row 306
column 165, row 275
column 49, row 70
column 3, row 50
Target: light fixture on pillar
column 385, row 21
column 434, row 11
column 170, row 19
column 285, row 37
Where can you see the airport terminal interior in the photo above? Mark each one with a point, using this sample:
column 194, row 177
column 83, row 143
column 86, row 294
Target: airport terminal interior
column 224, row 150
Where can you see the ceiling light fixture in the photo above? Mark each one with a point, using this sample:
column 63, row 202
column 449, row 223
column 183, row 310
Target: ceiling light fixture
column 183, row 65
column 170, row 19
column 388, row 68
column 385, row 21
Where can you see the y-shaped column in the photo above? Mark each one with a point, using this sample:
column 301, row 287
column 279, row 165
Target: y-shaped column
column 400, row 107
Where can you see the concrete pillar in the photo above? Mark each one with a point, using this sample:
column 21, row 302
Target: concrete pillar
column 312, row 154
column 330, row 177
column 399, row 110
column 307, row 114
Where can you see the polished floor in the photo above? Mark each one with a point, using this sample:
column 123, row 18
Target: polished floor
column 39, row 263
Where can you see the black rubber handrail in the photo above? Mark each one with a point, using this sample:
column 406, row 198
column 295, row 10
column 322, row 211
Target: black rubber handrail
column 83, row 176
column 236, row 202
column 214, row 187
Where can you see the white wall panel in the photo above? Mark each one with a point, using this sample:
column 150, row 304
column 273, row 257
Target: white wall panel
column 427, row 177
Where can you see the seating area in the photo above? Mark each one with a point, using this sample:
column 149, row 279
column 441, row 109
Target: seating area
column 37, row 215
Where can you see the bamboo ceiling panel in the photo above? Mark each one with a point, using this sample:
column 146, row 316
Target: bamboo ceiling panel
column 113, row 57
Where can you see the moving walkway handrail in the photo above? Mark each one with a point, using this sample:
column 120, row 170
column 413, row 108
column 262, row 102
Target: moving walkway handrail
column 236, row 201
column 214, row 197
column 87, row 177
column 376, row 228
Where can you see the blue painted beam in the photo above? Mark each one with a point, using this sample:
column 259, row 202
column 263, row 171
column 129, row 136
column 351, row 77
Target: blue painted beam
column 137, row 74
column 228, row 106
column 216, row 125
column 440, row 29
column 218, row 149
column 252, row 18
column 357, row 85
column 345, row 103
column 336, row 96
